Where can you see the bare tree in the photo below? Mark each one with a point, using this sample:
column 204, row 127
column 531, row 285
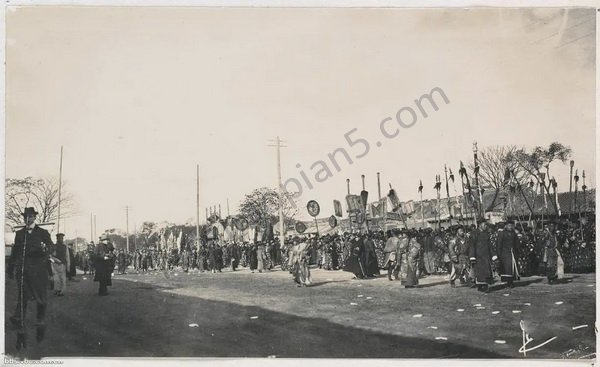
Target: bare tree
column 498, row 172
column 40, row 193
column 537, row 163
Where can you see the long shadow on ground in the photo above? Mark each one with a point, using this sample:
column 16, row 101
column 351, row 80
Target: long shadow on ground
column 142, row 321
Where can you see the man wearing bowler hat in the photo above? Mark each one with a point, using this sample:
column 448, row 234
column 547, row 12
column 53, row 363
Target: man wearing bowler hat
column 29, row 262
column 104, row 264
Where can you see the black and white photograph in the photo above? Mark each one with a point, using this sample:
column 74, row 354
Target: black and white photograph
column 360, row 183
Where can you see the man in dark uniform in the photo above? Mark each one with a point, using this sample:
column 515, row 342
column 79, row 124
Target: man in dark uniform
column 72, row 270
column 480, row 255
column 370, row 257
column 507, row 245
column 29, row 262
column 104, row 264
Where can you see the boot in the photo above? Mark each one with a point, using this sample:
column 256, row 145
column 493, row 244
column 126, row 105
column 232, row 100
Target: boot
column 21, row 340
column 452, row 284
column 40, row 333
column 41, row 313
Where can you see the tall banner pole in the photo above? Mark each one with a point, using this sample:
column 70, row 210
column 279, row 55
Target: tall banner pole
column 448, row 193
column 59, row 189
column 422, row 209
column 480, row 206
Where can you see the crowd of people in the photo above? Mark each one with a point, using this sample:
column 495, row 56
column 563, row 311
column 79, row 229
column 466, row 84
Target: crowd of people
column 406, row 254
column 472, row 254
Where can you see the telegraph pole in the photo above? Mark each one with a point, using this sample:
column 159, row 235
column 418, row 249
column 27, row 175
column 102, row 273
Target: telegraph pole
column 127, row 226
column 91, row 227
column 59, row 189
column 197, row 206
column 280, row 192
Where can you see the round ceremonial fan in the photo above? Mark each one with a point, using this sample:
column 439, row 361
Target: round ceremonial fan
column 313, row 208
column 300, row 227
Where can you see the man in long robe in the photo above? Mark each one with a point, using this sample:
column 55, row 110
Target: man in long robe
column 507, row 245
column 104, row 261
column 412, row 261
column 459, row 256
column 354, row 263
column 298, row 261
column 552, row 258
column 370, row 258
column 480, row 255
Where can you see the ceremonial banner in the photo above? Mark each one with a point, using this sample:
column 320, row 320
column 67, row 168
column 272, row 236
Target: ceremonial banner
column 408, row 207
column 378, row 208
column 332, row 221
column 394, row 199
column 337, row 207
column 354, row 203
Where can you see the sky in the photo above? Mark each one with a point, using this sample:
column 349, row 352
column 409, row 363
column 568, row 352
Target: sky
column 138, row 96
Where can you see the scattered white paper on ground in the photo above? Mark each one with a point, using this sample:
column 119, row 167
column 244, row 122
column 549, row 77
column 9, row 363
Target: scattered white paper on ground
column 194, row 325
column 369, row 298
column 477, row 305
column 460, row 310
column 558, row 303
column 418, row 315
column 84, row 278
column 500, row 341
column 506, row 294
column 432, row 327
column 527, row 304
column 579, row 327
column 353, row 304
column 481, row 308
column 253, row 317
column 516, row 311
column 495, row 312
column 441, row 338
column 360, row 296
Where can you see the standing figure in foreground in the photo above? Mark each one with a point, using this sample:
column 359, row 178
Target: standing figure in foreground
column 299, row 263
column 507, row 245
column 28, row 261
column 60, row 264
column 459, row 256
column 104, row 261
column 413, row 256
column 552, row 258
column 370, row 257
column 480, row 255
column 354, row 263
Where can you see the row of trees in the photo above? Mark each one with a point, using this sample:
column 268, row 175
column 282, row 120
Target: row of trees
column 516, row 168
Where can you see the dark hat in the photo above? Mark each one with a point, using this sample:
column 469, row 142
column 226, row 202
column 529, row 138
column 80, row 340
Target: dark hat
column 104, row 237
column 60, row 235
column 29, row 211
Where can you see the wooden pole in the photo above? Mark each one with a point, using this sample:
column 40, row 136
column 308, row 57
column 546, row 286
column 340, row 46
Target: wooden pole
column 127, row 225
column 59, row 189
column 378, row 186
column 198, row 207
column 91, row 227
column 280, row 192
